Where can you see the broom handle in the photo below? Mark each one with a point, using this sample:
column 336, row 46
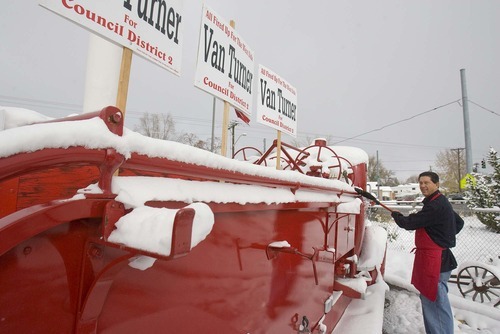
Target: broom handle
column 371, row 197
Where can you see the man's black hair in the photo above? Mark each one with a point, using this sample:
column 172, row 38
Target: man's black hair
column 434, row 177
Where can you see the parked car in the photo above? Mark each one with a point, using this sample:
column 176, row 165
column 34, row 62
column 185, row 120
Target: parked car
column 456, row 198
column 419, row 200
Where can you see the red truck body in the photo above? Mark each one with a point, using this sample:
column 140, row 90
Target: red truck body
column 59, row 273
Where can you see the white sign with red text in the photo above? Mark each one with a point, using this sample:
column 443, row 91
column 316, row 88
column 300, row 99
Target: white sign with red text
column 151, row 29
column 225, row 62
column 276, row 102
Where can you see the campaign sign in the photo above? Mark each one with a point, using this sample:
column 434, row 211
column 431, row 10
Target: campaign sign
column 151, row 29
column 276, row 102
column 225, row 62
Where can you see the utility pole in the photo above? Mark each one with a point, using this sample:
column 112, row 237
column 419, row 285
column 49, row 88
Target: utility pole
column 458, row 150
column 231, row 127
column 378, row 180
column 212, row 145
column 465, row 107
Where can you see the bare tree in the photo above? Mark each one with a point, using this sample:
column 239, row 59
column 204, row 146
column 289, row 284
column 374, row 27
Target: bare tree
column 217, row 145
column 162, row 126
column 159, row 126
column 386, row 176
column 192, row 140
column 412, row 179
column 451, row 168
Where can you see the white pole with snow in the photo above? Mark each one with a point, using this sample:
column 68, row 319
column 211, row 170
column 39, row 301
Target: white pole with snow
column 102, row 74
column 465, row 106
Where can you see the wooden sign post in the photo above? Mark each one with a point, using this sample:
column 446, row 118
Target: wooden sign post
column 123, row 81
column 225, row 117
column 278, row 150
column 121, row 96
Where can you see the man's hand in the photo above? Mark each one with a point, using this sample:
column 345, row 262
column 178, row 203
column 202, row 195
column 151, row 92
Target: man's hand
column 396, row 214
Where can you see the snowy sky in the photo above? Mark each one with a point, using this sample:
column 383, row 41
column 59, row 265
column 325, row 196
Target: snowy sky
column 357, row 66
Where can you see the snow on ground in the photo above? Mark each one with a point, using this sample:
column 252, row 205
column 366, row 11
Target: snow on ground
column 403, row 313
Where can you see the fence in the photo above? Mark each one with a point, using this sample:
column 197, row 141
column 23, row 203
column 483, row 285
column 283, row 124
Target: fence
column 474, row 243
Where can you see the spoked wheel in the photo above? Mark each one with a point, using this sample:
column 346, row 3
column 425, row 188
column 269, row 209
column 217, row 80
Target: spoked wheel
column 334, row 160
column 248, row 154
column 284, row 163
column 479, row 284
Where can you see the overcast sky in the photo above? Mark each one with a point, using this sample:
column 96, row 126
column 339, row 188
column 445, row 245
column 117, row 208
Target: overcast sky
column 358, row 67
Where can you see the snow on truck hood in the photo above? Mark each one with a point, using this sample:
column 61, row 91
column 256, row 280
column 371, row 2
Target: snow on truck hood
column 151, row 228
column 93, row 134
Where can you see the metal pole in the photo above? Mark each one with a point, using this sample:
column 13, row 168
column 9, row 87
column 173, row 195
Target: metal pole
column 465, row 106
column 236, row 141
column 459, row 167
column 212, row 146
column 378, row 181
column 232, row 145
column 231, row 127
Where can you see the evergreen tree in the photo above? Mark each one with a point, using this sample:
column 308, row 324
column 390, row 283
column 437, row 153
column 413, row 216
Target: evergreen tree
column 485, row 193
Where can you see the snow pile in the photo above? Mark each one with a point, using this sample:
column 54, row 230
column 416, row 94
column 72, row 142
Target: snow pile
column 134, row 191
column 366, row 315
column 373, row 248
column 93, row 134
column 11, row 117
column 328, row 160
column 150, row 229
column 357, row 284
column 350, row 207
column 279, row 244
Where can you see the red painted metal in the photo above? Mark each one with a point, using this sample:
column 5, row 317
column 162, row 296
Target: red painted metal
column 111, row 115
column 181, row 234
column 60, row 274
column 27, row 223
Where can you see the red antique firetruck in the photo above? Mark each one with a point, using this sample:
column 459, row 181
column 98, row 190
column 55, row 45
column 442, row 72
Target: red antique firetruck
column 103, row 230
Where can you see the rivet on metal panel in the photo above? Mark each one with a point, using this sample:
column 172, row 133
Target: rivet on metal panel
column 304, row 326
column 95, row 252
column 27, row 250
column 116, row 118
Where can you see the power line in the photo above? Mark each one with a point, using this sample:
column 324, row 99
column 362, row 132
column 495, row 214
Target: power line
column 131, row 113
column 40, row 103
column 400, row 121
column 135, row 114
column 491, row 111
column 392, row 161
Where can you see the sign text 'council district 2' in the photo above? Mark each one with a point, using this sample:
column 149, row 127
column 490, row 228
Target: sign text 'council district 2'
column 151, row 29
